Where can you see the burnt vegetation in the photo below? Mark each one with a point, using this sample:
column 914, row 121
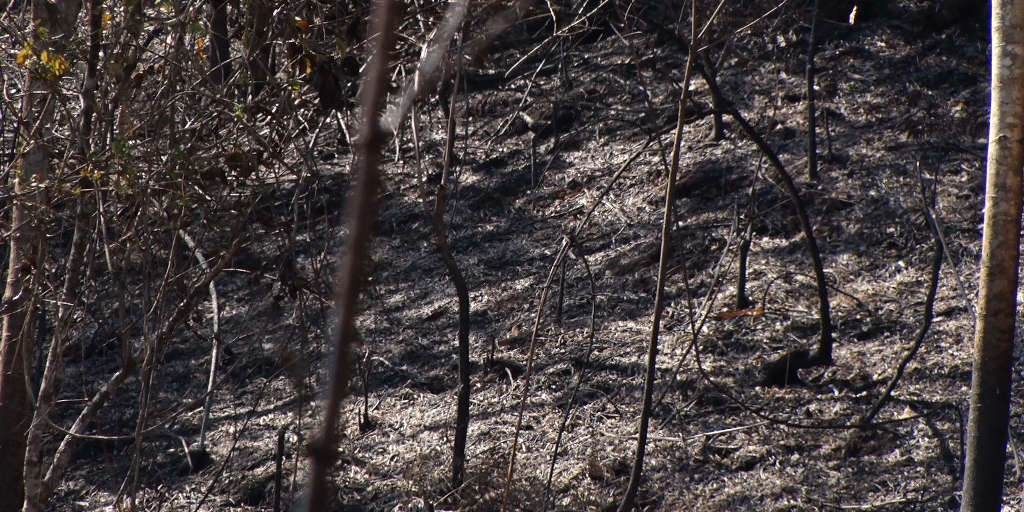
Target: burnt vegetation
column 813, row 346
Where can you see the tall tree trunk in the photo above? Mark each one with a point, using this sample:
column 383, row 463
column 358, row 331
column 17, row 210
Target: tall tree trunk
column 258, row 49
column 362, row 213
column 18, row 333
column 650, row 374
column 25, row 249
column 997, row 306
column 219, row 54
column 37, row 492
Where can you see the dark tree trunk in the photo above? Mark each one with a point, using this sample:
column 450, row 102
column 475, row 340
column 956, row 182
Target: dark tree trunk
column 462, row 291
column 219, row 54
column 258, row 57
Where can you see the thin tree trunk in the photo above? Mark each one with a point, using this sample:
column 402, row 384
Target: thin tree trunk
column 997, row 307
column 650, row 374
column 26, row 256
column 717, row 126
column 36, row 490
column 18, row 333
column 362, row 213
column 823, row 354
column 742, row 301
column 462, row 291
column 258, row 51
column 219, row 54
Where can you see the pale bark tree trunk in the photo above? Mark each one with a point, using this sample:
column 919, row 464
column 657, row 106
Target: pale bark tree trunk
column 38, row 461
column 993, row 342
column 37, row 489
column 17, row 335
column 25, row 250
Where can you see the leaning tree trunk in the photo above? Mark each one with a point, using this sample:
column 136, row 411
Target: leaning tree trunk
column 997, row 306
column 362, row 213
column 25, row 265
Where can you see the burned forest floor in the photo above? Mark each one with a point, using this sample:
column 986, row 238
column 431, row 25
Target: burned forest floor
column 906, row 104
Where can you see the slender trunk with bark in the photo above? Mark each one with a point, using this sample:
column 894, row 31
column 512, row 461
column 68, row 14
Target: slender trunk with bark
column 997, row 307
column 37, row 490
column 462, row 292
column 18, row 333
column 219, row 54
column 636, row 474
column 25, row 248
column 362, row 213
column 258, row 50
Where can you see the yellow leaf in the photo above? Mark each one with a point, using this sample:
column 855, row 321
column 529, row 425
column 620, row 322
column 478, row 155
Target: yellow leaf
column 56, row 63
column 24, row 55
